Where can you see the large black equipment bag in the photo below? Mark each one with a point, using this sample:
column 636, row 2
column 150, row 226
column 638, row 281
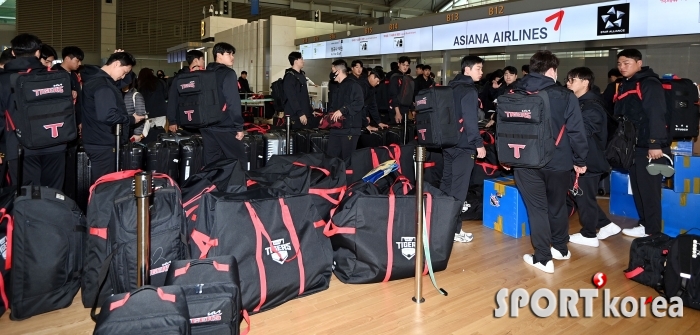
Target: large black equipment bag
column 683, row 114
column 280, row 253
column 133, row 156
column 407, row 88
column 648, row 258
column 110, row 260
column 198, row 100
column 191, row 157
column 524, row 135
column 7, row 197
column 620, row 149
column 147, row 310
column 164, row 157
column 213, row 292
column 682, row 273
column 47, row 251
column 437, row 124
column 374, row 235
column 44, row 114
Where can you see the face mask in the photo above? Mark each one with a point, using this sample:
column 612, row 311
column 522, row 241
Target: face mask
column 334, row 75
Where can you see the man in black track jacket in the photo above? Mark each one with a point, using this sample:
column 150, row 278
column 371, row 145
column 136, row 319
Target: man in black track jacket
column 195, row 60
column 296, row 92
column 224, row 139
column 544, row 190
column 347, row 106
column 640, row 97
column 370, row 111
column 580, row 81
column 103, row 108
column 41, row 167
column 459, row 160
column 397, row 111
column 72, row 60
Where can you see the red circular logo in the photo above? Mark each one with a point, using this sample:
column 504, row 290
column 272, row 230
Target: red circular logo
column 599, row 280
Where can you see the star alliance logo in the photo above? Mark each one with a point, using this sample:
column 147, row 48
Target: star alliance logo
column 613, row 20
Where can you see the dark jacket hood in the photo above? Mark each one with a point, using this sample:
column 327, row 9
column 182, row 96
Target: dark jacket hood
column 644, row 73
column 295, row 71
column 23, row 63
column 592, row 95
column 216, row 66
column 534, row 82
column 92, row 71
column 461, row 79
column 183, row 70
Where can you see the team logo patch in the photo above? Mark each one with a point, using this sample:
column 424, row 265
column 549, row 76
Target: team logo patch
column 423, row 101
column 407, row 247
column 279, row 251
column 493, row 199
column 58, row 88
column 211, row 317
column 188, row 85
column 54, row 128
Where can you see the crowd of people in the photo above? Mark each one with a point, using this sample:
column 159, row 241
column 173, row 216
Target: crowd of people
column 368, row 98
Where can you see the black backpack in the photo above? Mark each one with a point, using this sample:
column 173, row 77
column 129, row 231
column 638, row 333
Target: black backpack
column 43, row 114
column 47, row 250
column 147, row 310
column 436, row 121
column 278, row 93
column 648, row 258
column 407, row 87
column 620, row 149
column 682, row 110
column 682, row 274
column 524, row 136
column 7, row 196
column 198, row 102
column 213, row 293
column 110, row 259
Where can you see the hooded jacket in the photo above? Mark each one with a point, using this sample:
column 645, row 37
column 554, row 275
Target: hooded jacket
column 595, row 120
column 641, row 98
column 103, row 108
column 466, row 99
column 297, row 95
column 349, row 100
column 75, row 86
column 227, row 81
column 565, row 112
column 369, row 109
column 17, row 65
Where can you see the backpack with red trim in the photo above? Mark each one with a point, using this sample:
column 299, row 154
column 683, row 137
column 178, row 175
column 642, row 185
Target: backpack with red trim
column 110, row 256
column 213, row 292
column 436, row 121
column 274, row 238
column 199, row 102
column 524, row 134
column 147, row 310
column 407, row 88
column 7, row 197
column 648, row 259
column 374, row 235
column 43, row 114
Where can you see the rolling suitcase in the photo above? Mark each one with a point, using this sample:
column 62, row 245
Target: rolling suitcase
column 174, row 137
column 259, row 151
column 318, row 141
column 394, row 135
column 77, row 181
column 133, row 156
column 191, row 157
column 164, row 157
column 371, row 140
column 275, row 143
column 301, row 137
column 251, row 150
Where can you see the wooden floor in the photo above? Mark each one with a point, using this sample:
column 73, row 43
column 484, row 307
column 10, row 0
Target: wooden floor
column 476, row 272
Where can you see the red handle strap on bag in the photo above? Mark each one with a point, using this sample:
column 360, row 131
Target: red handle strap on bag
column 10, row 228
column 390, row 236
column 121, row 175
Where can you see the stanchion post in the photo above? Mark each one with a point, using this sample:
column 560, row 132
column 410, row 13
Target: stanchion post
column 405, row 128
column 288, row 145
column 118, row 133
column 419, row 158
column 142, row 191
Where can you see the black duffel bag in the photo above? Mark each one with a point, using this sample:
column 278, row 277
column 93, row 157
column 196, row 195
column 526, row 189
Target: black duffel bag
column 648, row 259
column 273, row 235
column 374, row 235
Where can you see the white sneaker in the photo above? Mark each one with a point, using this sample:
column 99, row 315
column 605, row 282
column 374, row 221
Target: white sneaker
column 549, row 268
column 609, row 230
column 465, row 206
column 558, row 256
column 582, row 240
column 463, row 237
column 637, row 231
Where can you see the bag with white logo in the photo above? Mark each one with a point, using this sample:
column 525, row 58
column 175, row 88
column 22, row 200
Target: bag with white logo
column 198, row 102
column 374, row 235
column 524, row 136
column 213, row 293
column 682, row 273
column 47, row 249
column 273, row 236
column 147, row 310
column 437, row 124
column 43, row 114
column 7, row 197
column 110, row 259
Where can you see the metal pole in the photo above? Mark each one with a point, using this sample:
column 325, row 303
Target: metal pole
column 405, row 128
column 142, row 191
column 419, row 158
column 20, row 168
column 118, row 133
column 287, row 120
